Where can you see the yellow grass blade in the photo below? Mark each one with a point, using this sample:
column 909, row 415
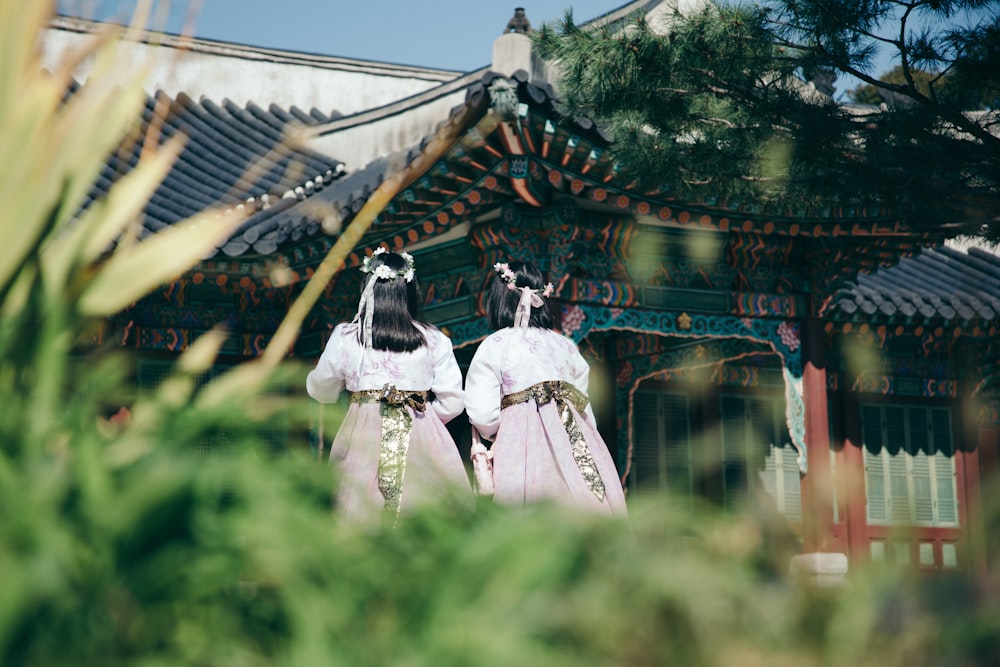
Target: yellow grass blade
column 104, row 221
column 133, row 271
column 109, row 108
column 239, row 383
column 19, row 26
column 200, row 356
column 26, row 156
column 42, row 148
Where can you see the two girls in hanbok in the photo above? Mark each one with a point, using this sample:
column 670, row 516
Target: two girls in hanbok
column 393, row 450
column 526, row 390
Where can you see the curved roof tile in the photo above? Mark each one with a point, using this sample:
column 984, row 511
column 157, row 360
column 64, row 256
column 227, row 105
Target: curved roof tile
column 232, row 157
column 940, row 284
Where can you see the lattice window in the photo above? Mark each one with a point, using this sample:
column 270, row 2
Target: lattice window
column 662, row 435
column 909, row 466
column 274, row 431
column 151, row 372
column 757, row 453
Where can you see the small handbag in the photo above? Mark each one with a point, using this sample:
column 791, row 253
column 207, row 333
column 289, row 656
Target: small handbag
column 482, row 465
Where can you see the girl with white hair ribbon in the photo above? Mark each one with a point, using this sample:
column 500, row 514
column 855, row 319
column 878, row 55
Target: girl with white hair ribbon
column 393, row 450
column 526, row 389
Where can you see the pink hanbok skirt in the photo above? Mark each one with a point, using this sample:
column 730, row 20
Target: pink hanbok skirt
column 533, row 461
column 434, row 472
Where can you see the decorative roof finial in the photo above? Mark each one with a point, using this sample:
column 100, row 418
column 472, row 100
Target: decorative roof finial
column 519, row 23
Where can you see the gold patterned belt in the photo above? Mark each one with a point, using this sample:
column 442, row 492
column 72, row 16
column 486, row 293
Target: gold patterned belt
column 564, row 395
column 389, row 394
column 543, row 392
column 397, row 423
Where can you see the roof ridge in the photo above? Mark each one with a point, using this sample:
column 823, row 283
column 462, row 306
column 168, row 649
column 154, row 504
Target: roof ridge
column 247, row 51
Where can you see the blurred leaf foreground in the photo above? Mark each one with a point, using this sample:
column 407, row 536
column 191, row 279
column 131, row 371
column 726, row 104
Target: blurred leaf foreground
column 127, row 543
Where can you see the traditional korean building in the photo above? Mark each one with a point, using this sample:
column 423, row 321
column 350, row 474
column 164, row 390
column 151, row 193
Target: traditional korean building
column 835, row 364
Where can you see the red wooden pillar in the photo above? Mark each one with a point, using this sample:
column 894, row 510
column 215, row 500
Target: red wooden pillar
column 852, row 481
column 983, row 489
column 817, row 484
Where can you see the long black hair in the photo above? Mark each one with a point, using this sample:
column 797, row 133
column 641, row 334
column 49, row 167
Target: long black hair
column 501, row 301
column 395, row 306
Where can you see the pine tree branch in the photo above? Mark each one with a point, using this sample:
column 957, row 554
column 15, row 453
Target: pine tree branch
column 909, row 90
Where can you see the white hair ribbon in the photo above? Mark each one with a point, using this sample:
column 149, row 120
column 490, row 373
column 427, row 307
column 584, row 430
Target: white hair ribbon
column 529, row 299
column 365, row 305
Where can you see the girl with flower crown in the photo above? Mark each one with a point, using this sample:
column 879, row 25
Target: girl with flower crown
column 526, row 389
column 393, row 449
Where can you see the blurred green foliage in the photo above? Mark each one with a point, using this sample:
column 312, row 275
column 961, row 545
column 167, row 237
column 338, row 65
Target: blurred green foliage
column 130, row 544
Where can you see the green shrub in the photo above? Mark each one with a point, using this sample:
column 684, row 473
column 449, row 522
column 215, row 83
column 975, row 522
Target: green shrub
column 127, row 544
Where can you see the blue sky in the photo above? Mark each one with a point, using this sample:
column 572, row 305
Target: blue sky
column 447, row 34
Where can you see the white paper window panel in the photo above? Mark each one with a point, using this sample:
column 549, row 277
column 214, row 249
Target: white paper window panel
column 909, row 466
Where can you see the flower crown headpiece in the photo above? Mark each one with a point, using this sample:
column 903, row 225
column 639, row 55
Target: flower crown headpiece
column 365, row 307
column 384, row 272
column 529, row 297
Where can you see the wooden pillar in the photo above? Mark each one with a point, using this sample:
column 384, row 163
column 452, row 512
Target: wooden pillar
column 982, row 482
column 852, row 485
column 817, row 484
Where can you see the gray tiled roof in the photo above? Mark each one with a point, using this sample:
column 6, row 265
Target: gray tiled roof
column 296, row 218
column 940, row 284
column 233, row 157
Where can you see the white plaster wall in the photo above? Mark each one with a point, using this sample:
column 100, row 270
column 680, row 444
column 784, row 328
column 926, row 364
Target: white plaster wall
column 359, row 141
column 218, row 71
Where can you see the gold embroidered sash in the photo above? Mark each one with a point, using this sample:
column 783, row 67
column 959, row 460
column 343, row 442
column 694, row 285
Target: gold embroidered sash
column 565, row 394
column 396, row 426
